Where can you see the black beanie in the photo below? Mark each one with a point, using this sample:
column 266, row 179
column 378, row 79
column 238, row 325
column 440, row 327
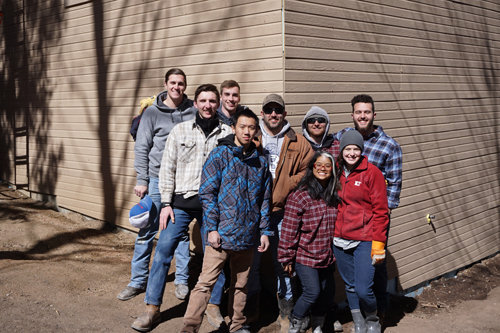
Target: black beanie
column 352, row 138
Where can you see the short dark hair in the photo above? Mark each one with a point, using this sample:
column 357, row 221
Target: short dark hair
column 229, row 84
column 245, row 113
column 362, row 99
column 206, row 87
column 175, row 71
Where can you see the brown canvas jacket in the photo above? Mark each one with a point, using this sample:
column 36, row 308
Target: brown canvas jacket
column 295, row 153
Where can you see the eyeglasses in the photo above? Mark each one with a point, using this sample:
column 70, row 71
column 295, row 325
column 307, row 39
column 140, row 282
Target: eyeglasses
column 270, row 110
column 320, row 165
column 320, row 120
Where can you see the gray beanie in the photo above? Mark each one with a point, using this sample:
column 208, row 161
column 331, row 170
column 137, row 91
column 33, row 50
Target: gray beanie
column 352, row 137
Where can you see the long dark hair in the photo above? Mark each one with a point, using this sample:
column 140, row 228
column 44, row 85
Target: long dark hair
column 311, row 184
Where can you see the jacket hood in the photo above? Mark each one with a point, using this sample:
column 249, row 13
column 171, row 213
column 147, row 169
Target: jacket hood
column 315, row 111
column 158, row 103
column 280, row 135
column 237, row 150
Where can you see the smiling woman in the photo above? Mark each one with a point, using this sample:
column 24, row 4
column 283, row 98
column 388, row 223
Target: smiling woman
column 306, row 243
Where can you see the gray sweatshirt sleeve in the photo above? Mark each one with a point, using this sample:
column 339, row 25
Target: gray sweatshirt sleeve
column 143, row 145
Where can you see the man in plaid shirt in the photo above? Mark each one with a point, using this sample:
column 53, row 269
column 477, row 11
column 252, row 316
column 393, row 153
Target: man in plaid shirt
column 386, row 154
column 187, row 148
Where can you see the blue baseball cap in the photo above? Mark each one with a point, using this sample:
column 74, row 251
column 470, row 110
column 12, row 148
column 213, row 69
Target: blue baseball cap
column 139, row 214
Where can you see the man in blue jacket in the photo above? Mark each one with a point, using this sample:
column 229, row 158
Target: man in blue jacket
column 235, row 193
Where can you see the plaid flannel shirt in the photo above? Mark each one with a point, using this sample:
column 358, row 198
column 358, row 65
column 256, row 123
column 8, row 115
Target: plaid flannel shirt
column 185, row 152
column 307, row 231
column 386, row 154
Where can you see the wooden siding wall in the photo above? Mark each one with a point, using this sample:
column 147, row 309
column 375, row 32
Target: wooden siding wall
column 75, row 75
column 433, row 71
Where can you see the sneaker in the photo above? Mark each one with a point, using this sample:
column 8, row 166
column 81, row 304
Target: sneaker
column 181, row 291
column 213, row 315
column 129, row 293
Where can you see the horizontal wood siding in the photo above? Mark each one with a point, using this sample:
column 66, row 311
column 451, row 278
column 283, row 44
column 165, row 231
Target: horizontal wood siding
column 75, row 77
column 432, row 68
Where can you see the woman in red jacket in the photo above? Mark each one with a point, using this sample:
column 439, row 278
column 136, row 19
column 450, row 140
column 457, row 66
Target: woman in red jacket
column 360, row 230
column 306, row 242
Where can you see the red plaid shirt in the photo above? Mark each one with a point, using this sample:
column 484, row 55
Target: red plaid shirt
column 307, row 231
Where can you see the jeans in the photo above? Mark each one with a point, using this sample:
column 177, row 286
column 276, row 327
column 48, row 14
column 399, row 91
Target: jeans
column 380, row 281
column 356, row 269
column 213, row 264
column 285, row 283
column 315, row 291
column 144, row 245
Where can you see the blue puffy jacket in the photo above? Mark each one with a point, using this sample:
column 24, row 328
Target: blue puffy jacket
column 235, row 193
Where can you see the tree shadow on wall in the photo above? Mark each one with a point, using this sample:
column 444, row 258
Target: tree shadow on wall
column 29, row 29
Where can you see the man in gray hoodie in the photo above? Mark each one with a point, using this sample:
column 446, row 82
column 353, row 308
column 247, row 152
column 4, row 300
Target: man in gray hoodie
column 170, row 108
column 315, row 127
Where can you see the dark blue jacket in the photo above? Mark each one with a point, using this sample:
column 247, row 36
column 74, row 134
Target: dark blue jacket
column 235, row 193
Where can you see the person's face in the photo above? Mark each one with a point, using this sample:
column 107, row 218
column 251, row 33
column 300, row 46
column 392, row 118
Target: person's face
column 273, row 121
column 175, row 86
column 322, row 169
column 351, row 155
column 230, row 99
column 363, row 117
column 244, row 131
column 316, row 126
column 207, row 103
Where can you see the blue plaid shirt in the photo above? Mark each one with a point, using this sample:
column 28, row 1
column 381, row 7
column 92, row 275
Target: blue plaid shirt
column 385, row 153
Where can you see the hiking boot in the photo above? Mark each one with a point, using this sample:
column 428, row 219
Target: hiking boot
column 181, row 291
column 372, row 323
column 213, row 315
column 295, row 324
column 129, row 293
column 359, row 321
column 148, row 319
column 337, row 326
column 317, row 324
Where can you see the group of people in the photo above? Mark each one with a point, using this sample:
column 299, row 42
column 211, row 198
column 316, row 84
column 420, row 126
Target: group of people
column 312, row 199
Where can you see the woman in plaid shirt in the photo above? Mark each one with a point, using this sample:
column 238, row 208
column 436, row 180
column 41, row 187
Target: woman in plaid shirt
column 306, row 243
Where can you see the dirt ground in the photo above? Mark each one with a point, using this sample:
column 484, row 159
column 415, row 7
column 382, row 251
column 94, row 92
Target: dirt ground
column 62, row 272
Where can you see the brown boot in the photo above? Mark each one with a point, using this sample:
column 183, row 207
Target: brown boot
column 213, row 315
column 148, row 319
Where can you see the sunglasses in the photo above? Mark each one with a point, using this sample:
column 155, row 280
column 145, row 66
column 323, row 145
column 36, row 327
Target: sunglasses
column 270, row 110
column 320, row 120
column 319, row 166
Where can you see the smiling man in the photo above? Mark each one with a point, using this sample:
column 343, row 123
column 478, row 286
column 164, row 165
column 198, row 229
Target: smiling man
column 288, row 154
column 315, row 127
column 386, row 154
column 236, row 195
column 230, row 101
column 170, row 108
column 187, row 148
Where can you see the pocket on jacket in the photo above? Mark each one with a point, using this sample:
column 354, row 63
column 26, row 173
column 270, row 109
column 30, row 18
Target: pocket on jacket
column 187, row 151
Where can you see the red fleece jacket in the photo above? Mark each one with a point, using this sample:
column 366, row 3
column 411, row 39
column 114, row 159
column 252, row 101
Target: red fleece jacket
column 363, row 214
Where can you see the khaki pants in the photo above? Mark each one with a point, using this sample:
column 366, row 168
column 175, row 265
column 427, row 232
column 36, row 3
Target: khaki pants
column 213, row 263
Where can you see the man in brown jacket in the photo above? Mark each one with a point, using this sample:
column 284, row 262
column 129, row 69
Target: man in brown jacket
column 288, row 154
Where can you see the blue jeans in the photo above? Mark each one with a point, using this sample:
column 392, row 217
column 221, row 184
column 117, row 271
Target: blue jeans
column 356, row 269
column 315, row 291
column 285, row 283
column 380, row 282
column 167, row 242
column 144, row 245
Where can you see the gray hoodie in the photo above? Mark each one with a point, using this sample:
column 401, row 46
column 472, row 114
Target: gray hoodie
column 315, row 111
column 156, row 123
column 272, row 145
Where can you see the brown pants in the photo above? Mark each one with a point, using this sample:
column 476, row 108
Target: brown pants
column 213, row 263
